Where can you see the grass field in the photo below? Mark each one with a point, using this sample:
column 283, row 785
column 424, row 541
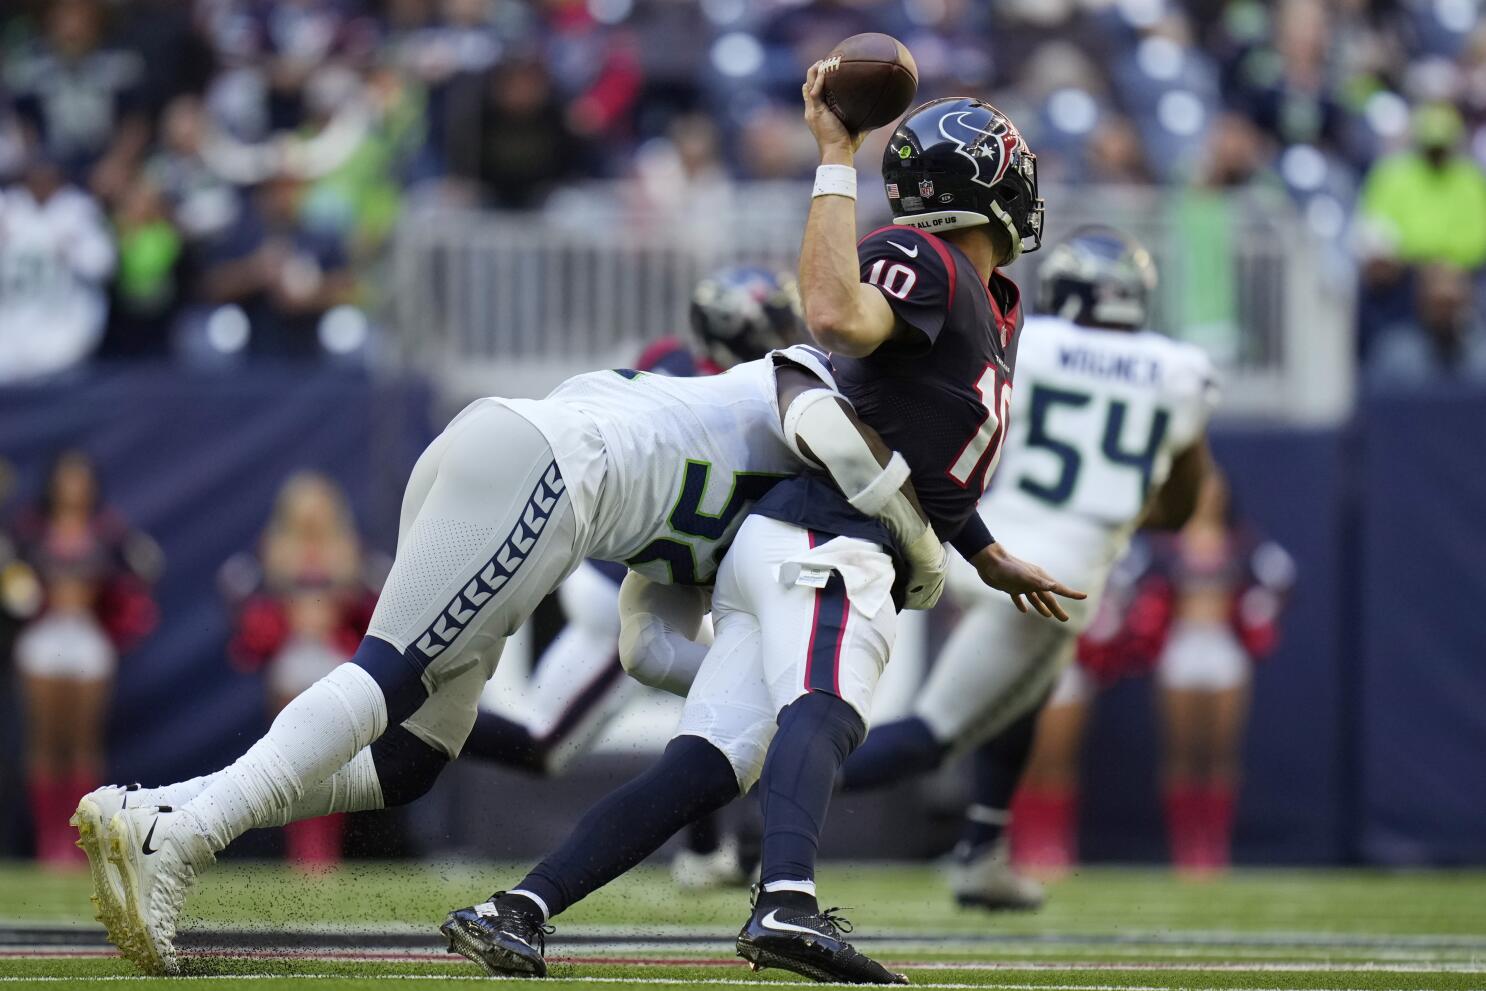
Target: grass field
column 373, row 924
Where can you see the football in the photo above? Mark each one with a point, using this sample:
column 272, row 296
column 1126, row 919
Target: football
column 870, row 80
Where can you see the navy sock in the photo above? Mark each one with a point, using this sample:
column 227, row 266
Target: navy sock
column 817, row 732
column 506, row 742
column 899, row 750
column 399, row 676
column 691, row 779
column 704, row 835
column 996, row 770
column 406, row 766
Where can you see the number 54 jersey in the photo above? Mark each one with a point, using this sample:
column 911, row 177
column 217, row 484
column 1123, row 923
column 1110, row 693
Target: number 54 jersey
column 1097, row 418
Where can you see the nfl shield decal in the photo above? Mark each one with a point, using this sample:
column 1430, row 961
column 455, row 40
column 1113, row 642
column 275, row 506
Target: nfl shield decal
column 926, row 188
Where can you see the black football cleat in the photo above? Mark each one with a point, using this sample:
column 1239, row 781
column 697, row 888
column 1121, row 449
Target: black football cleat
column 501, row 938
column 809, row 943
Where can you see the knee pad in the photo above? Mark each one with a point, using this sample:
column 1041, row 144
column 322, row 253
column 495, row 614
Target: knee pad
column 406, row 766
column 706, row 768
column 656, row 656
column 663, row 633
column 828, row 715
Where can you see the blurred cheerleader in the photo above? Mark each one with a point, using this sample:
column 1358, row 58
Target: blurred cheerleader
column 82, row 580
column 1198, row 607
column 303, row 604
column 1227, row 588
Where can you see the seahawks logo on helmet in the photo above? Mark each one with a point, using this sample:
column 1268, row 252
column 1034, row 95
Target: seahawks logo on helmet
column 989, row 152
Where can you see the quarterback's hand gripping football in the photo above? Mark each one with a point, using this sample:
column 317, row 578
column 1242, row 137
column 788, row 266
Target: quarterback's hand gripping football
column 1017, row 578
column 928, row 563
column 831, row 135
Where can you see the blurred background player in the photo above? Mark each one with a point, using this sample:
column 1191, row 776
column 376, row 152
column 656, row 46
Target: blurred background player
column 578, row 686
column 303, row 604
column 1107, row 433
column 1200, row 607
column 86, row 592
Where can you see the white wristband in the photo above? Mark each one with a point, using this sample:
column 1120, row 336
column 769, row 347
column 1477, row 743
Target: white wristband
column 836, row 180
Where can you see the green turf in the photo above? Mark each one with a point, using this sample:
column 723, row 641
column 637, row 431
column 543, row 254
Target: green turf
column 1227, row 933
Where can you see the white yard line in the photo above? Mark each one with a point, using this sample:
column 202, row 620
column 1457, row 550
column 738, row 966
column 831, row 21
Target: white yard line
column 659, row 933
column 1229, row 966
column 651, row 981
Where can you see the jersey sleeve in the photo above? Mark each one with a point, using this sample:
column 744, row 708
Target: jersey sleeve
column 916, row 276
column 973, row 537
column 812, row 359
column 1198, row 393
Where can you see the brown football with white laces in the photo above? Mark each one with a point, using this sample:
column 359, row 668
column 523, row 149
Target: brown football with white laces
column 870, row 81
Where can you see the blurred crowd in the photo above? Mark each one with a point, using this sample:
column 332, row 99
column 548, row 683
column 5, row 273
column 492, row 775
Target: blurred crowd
column 213, row 177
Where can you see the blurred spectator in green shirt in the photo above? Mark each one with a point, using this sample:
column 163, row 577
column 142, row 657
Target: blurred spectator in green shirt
column 1428, row 204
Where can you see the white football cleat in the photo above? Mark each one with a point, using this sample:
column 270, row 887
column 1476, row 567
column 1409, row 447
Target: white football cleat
column 989, row 881
column 94, row 811
column 158, row 853
column 722, row 868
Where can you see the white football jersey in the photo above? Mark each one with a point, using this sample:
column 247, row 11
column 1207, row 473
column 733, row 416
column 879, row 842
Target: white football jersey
column 54, row 257
column 681, row 460
column 1097, row 418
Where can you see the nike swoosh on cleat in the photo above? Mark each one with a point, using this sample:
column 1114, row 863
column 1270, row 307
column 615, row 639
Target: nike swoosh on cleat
column 145, row 846
column 771, row 922
column 910, row 254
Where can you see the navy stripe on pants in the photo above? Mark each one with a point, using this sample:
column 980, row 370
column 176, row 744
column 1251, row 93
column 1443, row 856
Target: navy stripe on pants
column 827, row 635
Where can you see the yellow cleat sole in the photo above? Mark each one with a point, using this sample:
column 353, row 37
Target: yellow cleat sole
column 138, row 948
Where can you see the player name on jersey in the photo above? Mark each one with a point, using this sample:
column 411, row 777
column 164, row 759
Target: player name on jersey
column 1135, row 369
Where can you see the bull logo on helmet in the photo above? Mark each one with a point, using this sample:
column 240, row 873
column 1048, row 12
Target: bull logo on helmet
column 990, row 151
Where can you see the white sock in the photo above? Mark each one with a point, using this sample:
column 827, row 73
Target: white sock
column 803, row 887
column 353, row 788
column 327, row 725
column 173, row 795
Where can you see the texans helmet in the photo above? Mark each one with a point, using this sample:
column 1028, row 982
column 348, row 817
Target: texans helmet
column 1098, row 277
column 743, row 312
column 960, row 162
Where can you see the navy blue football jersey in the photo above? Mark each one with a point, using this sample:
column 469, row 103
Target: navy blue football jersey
column 939, row 395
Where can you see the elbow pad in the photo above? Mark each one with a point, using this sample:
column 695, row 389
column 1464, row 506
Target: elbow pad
column 815, row 421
